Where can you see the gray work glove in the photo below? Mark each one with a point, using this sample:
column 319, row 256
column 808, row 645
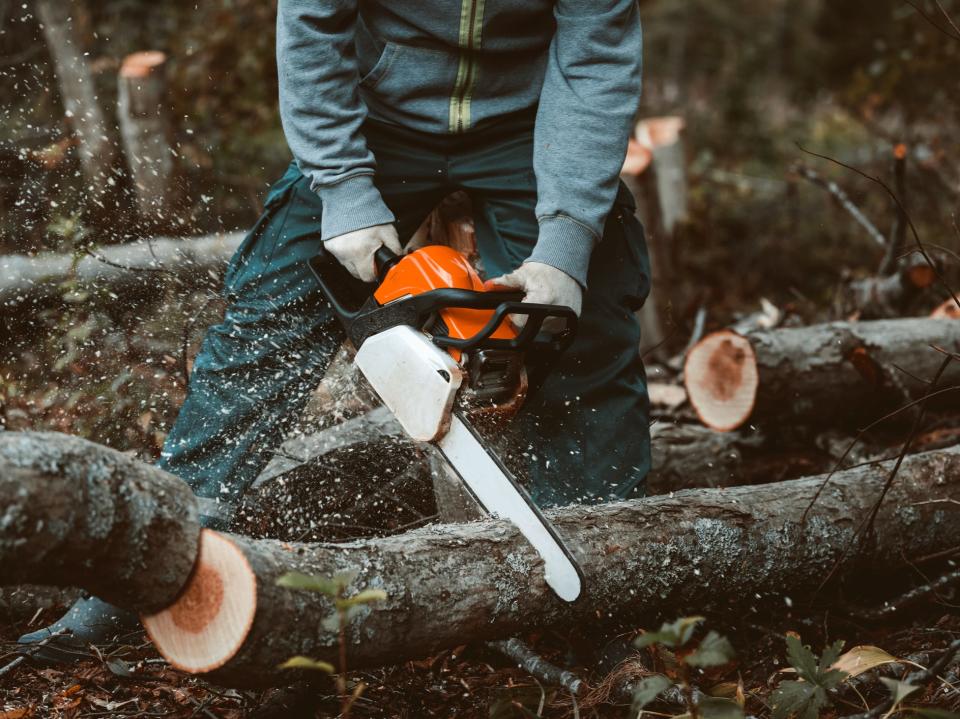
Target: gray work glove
column 355, row 250
column 543, row 284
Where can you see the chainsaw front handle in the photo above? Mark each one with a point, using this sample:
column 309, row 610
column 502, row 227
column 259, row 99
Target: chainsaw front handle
column 361, row 316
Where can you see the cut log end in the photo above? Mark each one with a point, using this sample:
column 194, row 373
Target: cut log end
column 946, row 311
column 142, row 64
column 210, row 620
column 721, row 378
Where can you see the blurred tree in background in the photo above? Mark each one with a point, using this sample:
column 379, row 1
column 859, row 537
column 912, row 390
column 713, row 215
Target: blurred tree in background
column 753, row 78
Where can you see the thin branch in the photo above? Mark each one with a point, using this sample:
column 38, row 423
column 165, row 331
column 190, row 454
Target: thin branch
column 853, row 443
column 867, row 524
column 19, row 660
column 846, row 203
column 947, row 17
column 538, row 667
column 911, row 597
column 913, row 229
column 932, row 21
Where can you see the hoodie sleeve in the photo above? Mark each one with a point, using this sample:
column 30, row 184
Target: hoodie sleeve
column 322, row 112
column 590, row 94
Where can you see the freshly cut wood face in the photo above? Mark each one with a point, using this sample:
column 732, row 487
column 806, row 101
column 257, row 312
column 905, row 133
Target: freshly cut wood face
column 210, row 620
column 946, row 311
column 721, row 379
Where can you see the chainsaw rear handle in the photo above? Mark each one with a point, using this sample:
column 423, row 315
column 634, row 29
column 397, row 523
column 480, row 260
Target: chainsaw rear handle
column 352, row 301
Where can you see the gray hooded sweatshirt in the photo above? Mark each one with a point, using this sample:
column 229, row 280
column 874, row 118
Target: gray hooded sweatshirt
column 449, row 66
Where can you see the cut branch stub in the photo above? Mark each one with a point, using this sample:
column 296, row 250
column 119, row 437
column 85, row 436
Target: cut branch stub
column 721, row 379
column 210, row 620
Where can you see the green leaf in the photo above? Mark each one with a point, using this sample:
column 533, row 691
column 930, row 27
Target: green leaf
column 830, row 656
column 648, row 689
column 367, row 596
column 299, row 662
column 674, row 634
column 714, row 651
column 801, row 659
column 802, row 699
column 899, row 690
column 812, row 670
column 296, row 580
column 332, row 587
column 719, row 708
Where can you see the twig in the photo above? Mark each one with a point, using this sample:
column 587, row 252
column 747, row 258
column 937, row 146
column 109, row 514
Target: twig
column 538, row 667
column 855, row 440
column 898, row 234
column 932, row 21
column 947, row 17
column 834, row 189
column 19, row 660
column 913, row 229
column 100, row 258
column 911, row 597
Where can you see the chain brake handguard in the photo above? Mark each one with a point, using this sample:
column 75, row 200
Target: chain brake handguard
column 362, row 317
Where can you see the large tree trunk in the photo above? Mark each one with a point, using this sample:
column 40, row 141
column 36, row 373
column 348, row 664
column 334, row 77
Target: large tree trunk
column 829, row 373
column 61, row 21
column 138, row 269
column 73, row 513
column 702, row 550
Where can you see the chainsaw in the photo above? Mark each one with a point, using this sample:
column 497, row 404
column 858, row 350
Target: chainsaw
column 439, row 348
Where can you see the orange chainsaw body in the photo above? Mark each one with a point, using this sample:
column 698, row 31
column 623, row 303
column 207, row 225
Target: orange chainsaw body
column 437, row 267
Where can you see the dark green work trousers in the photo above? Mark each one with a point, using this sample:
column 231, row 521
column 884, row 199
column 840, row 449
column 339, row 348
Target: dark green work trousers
column 583, row 435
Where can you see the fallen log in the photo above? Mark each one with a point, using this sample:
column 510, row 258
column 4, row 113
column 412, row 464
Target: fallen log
column 698, row 550
column 834, row 373
column 73, row 513
column 689, row 456
column 138, row 268
column 702, row 550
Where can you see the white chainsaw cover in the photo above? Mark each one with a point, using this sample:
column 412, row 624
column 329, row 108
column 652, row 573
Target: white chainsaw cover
column 415, row 379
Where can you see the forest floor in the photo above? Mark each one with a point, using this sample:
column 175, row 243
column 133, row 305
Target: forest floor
column 133, row 681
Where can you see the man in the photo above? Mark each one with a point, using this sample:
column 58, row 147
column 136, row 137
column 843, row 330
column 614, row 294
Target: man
column 388, row 106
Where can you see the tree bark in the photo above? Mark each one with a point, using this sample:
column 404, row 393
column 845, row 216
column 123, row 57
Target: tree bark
column 655, row 173
column 834, row 373
column 691, row 456
column 888, row 295
column 698, row 550
column 73, row 513
column 61, row 20
column 140, row 268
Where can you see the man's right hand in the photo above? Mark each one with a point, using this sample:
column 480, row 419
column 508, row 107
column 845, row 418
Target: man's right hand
column 355, row 250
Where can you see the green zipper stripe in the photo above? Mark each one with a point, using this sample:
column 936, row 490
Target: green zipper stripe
column 471, row 29
column 455, row 104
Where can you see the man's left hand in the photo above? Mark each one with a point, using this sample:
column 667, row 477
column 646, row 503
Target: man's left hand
column 545, row 285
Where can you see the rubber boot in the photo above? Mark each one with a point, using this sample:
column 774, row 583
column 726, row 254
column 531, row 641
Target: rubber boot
column 88, row 621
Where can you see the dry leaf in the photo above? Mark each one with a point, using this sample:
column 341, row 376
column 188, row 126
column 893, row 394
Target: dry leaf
column 862, row 659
